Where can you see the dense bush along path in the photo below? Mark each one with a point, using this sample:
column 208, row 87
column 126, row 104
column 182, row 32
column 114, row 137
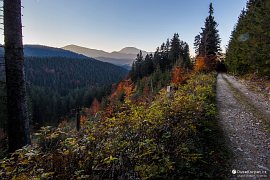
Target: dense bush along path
column 245, row 118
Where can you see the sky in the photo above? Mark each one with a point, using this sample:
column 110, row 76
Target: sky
column 111, row 25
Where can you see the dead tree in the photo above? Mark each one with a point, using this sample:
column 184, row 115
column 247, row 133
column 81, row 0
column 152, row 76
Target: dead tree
column 18, row 122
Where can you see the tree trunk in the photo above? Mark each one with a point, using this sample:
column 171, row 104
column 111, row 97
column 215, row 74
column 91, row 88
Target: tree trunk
column 18, row 122
column 78, row 119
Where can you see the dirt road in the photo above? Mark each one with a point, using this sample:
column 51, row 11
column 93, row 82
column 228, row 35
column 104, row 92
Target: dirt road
column 244, row 117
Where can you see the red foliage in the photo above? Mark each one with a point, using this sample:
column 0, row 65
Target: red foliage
column 125, row 86
column 95, row 107
column 177, row 75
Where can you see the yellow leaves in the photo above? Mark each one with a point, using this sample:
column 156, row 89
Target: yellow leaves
column 193, row 127
column 54, row 135
column 20, row 177
column 47, row 175
column 24, row 162
column 66, row 152
column 110, row 159
column 71, row 141
column 155, row 137
column 192, row 157
column 91, row 137
column 9, row 169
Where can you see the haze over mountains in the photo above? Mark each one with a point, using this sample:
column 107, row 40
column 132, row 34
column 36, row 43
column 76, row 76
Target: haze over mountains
column 46, row 51
column 124, row 57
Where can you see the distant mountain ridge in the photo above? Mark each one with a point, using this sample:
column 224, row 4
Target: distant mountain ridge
column 46, row 51
column 123, row 57
column 131, row 50
column 41, row 51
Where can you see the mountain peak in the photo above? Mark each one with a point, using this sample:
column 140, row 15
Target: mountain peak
column 131, row 50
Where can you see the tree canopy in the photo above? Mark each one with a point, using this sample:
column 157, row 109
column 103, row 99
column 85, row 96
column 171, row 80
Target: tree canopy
column 248, row 49
column 208, row 41
column 174, row 52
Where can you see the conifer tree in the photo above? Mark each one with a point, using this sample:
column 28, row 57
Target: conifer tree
column 18, row 122
column 175, row 50
column 196, row 44
column 248, row 49
column 208, row 42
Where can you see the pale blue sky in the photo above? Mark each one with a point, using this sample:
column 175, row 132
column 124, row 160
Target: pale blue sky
column 113, row 24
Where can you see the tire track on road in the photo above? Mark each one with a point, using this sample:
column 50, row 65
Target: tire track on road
column 246, row 137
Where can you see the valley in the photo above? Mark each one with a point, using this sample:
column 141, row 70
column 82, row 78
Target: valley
column 85, row 113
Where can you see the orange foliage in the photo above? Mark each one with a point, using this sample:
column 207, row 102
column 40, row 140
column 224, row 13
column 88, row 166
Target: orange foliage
column 200, row 64
column 177, row 75
column 83, row 119
column 126, row 86
column 95, row 107
column 207, row 63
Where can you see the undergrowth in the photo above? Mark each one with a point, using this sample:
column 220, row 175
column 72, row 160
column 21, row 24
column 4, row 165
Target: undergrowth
column 173, row 137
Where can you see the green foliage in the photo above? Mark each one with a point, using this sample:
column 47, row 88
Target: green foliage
column 48, row 106
column 170, row 138
column 174, row 52
column 208, row 41
column 56, row 85
column 61, row 74
column 248, row 49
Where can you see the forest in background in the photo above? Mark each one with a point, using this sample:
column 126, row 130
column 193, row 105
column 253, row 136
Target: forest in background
column 56, row 86
column 133, row 136
column 145, row 131
column 248, row 48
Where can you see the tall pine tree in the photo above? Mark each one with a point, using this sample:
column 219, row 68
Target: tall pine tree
column 208, row 41
column 248, row 49
column 175, row 49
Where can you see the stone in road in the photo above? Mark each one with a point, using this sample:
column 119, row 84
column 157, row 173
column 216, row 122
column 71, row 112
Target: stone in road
column 242, row 115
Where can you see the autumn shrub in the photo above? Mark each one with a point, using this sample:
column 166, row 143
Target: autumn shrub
column 205, row 63
column 177, row 75
column 169, row 138
column 200, row 64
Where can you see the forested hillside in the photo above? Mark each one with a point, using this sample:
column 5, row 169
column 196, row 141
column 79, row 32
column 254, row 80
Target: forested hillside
column 169, row 117
column 56, row 85
column 134, row 135
column 154, row 71
column 161, row 139
column 248, row 49
column 59, row 73
column 45, row 51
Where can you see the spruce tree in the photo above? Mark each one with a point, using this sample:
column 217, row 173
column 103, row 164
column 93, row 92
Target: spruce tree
column 208, row 42
column 175, row 50
column 248, row 49
column 197, row 43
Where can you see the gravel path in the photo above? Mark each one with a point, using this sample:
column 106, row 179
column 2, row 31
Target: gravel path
column 243, row 116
